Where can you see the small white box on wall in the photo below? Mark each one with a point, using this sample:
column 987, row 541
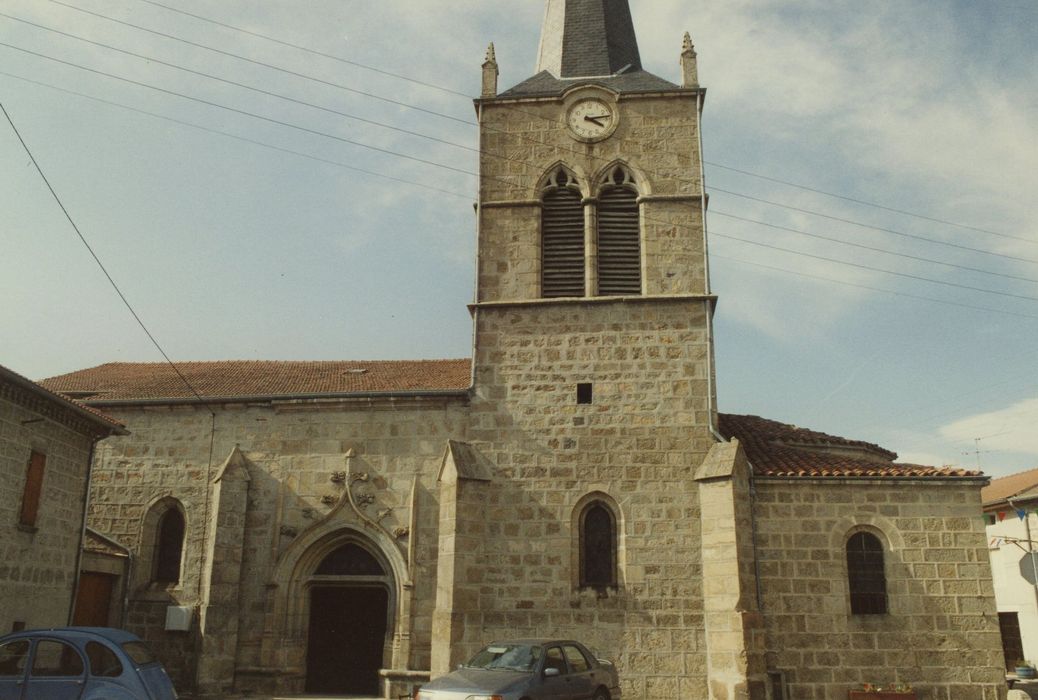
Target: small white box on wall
column 178, row 618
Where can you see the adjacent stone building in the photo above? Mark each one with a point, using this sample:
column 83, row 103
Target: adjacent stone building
column 353, row 527
column 46, row 446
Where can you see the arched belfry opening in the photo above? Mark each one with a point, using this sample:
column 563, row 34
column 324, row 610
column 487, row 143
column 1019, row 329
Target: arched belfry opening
column 350, row 605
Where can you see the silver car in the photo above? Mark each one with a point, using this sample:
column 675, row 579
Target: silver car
column 528, row 669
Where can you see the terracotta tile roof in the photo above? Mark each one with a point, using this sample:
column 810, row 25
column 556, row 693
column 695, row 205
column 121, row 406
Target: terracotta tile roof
column 106, row 423
column 121, row 381
column 1009, row 486
column 774, row 448
column 778, row 449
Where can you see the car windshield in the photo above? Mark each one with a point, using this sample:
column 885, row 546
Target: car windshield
column 510, row 657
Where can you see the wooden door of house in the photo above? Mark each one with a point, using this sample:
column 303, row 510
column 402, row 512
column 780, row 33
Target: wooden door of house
column 94, row 599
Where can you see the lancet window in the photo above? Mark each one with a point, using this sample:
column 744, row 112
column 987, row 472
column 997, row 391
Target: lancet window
column 619, row 235
column 566, row 241
column 169, row 547
column 597, row 547
column 562, row 237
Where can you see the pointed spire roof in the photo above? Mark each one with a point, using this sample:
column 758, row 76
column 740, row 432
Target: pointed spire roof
column 586, row 38
column 588, row 41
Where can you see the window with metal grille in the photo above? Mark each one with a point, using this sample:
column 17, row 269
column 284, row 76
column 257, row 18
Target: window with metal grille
column 868, row 582
column 33, row 489
column 562, row 238
column 619, row 235
column 597, row 547
column 169, row 547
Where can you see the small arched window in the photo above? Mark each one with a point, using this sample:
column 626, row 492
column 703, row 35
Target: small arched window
column 597, row 547
column 619, row 235
column 562, row 237
column 169, row 547
column 865, row 574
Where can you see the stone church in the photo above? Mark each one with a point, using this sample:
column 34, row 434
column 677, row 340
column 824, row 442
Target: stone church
column 353, row 527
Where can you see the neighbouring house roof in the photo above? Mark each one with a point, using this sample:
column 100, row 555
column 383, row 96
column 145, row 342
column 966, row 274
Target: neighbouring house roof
column 1023, row 485
column 126, row 382
column 781, row 450
column 774, row 448
column 86, row 417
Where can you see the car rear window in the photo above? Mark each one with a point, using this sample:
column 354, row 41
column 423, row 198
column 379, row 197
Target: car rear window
column 12, row 658
column 103, row 661
column 139, row 653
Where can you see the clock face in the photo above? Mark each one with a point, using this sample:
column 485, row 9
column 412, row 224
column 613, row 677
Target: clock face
column 591, row 119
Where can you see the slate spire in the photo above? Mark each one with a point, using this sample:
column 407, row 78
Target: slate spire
column 588, row 38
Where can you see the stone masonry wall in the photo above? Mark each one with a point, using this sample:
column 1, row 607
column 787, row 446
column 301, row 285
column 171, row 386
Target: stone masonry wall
column 294, row 450
column 639, row 443
column 941, row 633
column 37, row 565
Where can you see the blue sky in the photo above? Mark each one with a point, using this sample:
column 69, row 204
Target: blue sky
column 232, row 250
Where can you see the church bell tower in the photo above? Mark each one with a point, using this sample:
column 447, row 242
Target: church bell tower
column 593, row 403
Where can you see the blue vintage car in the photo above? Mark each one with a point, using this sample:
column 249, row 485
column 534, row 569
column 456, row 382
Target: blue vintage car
column 80, row 663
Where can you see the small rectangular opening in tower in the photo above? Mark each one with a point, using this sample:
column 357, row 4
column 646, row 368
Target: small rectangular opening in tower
column 585, row 395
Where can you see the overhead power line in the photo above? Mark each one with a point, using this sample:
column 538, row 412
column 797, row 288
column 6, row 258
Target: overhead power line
column 115, row 286
column 243, row 112
column 452, row 168
column 452, row 91
column 533, row 114
column 863, row 202
column 269, row 93
column 845, row 283
column 874, row 249
column 875, row 269
column 244, row 139
column 305, row 48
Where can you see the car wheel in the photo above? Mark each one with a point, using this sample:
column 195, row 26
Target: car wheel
column 601, row 694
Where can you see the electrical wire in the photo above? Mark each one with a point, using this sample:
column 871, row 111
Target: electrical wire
column 539, row 116
column 243, row 112
column 203, row 74
column 862, row 246
column 244, row 139
column 451, row 91
column 874, row 269
column 115, row 286
column 433, row 163
column 845, row 283
column 425, row 161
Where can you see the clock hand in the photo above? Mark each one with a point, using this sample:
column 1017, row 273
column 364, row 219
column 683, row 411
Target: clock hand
column 596, row 120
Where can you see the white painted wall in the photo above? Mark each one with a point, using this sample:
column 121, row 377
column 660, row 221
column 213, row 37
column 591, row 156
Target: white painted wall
column 1012, row 592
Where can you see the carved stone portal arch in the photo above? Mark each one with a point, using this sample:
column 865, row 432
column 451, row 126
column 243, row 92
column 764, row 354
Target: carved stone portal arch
column 296, row 575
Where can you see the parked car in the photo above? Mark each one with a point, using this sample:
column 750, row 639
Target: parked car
column 80, row 663
column 537, row 669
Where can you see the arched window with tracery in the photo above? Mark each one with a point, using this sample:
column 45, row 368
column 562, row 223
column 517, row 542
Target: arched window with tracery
column 619, row 235
column 866, row 574
column 597, row 547
column 169, row 547
column 562, row 237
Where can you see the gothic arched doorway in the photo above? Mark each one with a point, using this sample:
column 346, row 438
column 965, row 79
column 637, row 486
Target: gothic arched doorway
column 349, row 617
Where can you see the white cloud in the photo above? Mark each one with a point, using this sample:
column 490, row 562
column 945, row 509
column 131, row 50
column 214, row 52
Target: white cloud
column 1012, row 429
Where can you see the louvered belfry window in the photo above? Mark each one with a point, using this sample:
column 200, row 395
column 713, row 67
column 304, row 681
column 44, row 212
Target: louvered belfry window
column 619, row 236
column 865, row 574
column 562, row 238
